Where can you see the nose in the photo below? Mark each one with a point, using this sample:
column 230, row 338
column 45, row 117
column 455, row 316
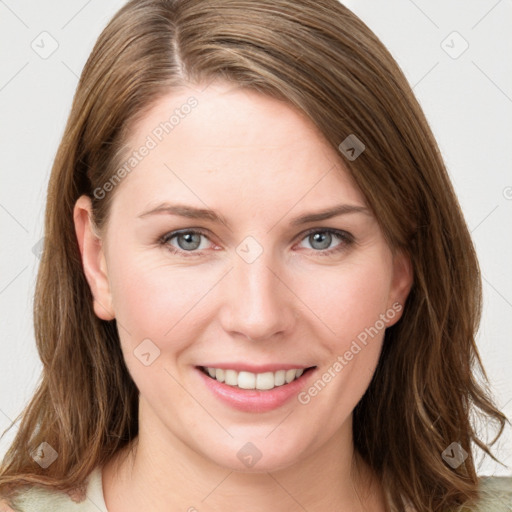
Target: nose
column 257, row 304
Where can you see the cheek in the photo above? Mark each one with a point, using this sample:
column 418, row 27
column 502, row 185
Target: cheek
column 351, row 297
column 350, row 304
column 151, row 300
column 160, row 304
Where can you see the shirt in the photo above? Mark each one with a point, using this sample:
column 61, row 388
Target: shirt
column 496, row 497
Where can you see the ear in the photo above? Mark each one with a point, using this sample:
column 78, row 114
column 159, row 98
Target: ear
column 403, row 278
column 93, row 258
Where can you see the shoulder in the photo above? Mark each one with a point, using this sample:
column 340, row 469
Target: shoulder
column 495, row 495
column 87, row 498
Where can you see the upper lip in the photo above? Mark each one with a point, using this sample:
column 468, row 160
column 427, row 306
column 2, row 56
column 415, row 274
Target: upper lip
column 245, row 367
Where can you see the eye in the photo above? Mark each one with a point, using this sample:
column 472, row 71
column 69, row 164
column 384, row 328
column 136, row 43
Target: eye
column 188, row 241
column 321, row 239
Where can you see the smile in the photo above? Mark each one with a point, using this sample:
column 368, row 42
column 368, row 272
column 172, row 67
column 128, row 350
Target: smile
column 249, row 380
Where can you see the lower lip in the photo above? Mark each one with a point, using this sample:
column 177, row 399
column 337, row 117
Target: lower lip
column 252, row 400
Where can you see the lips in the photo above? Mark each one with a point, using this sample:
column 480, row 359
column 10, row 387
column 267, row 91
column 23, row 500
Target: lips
column 255, row 400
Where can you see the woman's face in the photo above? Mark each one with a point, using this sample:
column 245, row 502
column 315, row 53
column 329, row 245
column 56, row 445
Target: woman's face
column 252, row 283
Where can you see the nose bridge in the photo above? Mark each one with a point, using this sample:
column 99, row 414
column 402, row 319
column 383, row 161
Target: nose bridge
column 258, row 305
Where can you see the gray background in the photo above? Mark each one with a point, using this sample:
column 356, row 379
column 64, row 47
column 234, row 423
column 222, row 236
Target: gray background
column 466, row 95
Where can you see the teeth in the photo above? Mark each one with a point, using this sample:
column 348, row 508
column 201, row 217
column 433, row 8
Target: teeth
column 231, row 377
column 249, row 380
column 280, row 377
column 290, row 375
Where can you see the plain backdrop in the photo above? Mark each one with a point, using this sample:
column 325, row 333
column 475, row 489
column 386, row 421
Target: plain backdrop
column 453, row 53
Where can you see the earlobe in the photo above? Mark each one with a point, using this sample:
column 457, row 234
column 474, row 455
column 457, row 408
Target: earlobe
column 93, row 258
column 403, row 278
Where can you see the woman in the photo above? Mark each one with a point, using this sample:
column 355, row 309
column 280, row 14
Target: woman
column 258, row 290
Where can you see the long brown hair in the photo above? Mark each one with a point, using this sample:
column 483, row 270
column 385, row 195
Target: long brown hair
column 322, row 59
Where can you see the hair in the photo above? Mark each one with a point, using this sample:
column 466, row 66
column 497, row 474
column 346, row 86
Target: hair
column 321, row 59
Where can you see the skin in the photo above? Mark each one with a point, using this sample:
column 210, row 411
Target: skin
column 259, row 163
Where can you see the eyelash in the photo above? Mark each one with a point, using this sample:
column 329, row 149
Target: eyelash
column 346, row 238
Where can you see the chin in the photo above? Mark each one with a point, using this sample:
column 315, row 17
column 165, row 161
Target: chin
column 257, row 456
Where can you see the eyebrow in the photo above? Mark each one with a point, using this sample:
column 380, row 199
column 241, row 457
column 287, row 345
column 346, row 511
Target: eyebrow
column 191, row 212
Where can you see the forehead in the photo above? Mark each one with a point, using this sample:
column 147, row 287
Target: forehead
column 228, row 146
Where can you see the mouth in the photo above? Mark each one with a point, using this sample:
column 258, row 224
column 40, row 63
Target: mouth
column 262, row 381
